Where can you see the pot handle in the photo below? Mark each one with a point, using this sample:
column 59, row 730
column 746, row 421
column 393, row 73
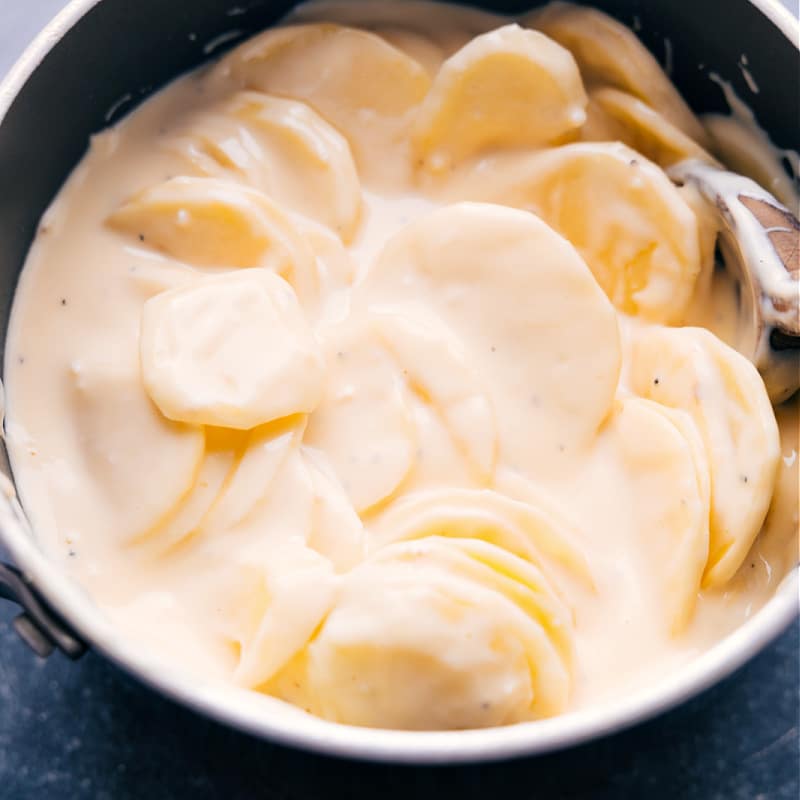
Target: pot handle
column 37, row 626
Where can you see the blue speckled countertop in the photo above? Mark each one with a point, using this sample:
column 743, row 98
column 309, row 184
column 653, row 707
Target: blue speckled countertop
column 86, row 731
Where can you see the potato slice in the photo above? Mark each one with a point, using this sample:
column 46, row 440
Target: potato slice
column 617, row 116
column 625, row 217
column 183, row 523
column 609, row 54
column 692, row 370
column 424, row 50
column 663, row 454
column 213, row 223
column 272, row 606
column 309, row 164
column 141, row 464
column 508, row 88
column 233, row 350
column 535, row 534
column 436, row 366
column 336, row 530
column 436, row 24
column 525, row 305
column 281, row 147
column 263, row 453
column 363, row 424
column 453, row 635
column 358, row 82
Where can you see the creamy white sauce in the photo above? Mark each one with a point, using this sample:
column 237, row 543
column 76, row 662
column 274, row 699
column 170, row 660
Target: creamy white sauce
column 430, row 477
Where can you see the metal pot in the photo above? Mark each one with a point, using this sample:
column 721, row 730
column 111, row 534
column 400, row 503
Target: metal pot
column 92, row 65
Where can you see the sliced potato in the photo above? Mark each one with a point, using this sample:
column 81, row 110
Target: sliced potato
column 214, row 223
column 437, row 368
column 424, row 50
column 274, row 605
column 692, row 370
column 437, row 24
column 141, row 464
column 219, row 459
column 233, row 350
column 535, row 534
column 218, row 146
column 336, row 530
column 619, row 116
column 622, row 213
column 361, row 84
column 666, row 462
column 363, row 424
column 263, row 453
column 525, row 305
column 310, row 164
column 457, row 634
column 609, row 54
column 508, row 88
column 283, row 148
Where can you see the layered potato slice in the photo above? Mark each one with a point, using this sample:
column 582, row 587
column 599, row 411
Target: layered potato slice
column 357, row 81
column 184, row 520
column 208, row 222
column 535, row 533
column 609, row 54
column 621, row 212
column 456, row 634
column 507, row 88
column 613, row 115
column 524, row 304
column 436, row 366
column 336, row 529
column 424, row 50
column 233, row 350
column 125, row 442
column 363, row 423
column 268, row 606
column 283, row 148
column 260, row 456
column 665, row 461
column 415, row 27
column 691, row 370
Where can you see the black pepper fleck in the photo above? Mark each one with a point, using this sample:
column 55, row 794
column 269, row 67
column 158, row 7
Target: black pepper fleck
column 656, row 381
column 141, row 237
column 744, row 478
column 63, row 301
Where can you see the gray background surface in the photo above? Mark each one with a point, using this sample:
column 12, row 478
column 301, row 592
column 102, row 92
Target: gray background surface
column 86, row 731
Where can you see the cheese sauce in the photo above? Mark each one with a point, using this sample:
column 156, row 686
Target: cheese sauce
column 382, row 369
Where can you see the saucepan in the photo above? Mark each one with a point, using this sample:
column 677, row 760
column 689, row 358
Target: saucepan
column 95, row 62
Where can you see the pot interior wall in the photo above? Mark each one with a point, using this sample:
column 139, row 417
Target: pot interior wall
column 121, row 49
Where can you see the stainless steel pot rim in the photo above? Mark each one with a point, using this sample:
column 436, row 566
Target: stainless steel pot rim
column 266, row 717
